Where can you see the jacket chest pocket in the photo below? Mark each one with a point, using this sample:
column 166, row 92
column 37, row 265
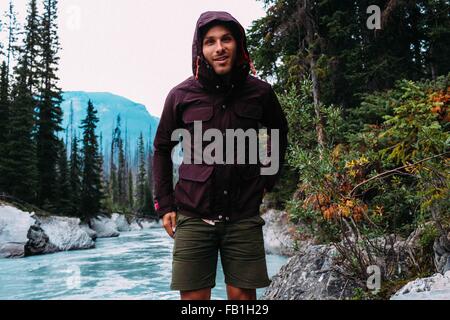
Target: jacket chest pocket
column 202, row 114
column 248, row 115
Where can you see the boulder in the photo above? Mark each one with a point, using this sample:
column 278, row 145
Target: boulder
column 38, row 242
column 12, row 250
column 441, row 249
column 14, row 226
column 436, row 287
column 104, row 226
column 317, row 271
column 309, row 275
column 149, row 223
column 91, row 233
column 27, row 234
column 279, row 233
column 135, row 225
column 66, row 233
column 121, row 222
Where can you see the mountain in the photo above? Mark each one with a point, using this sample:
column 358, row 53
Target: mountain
column 134, row 116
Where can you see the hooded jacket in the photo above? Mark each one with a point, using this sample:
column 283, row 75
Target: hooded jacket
column 216, row 191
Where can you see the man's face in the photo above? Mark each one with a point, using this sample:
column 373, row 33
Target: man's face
column 219, row 49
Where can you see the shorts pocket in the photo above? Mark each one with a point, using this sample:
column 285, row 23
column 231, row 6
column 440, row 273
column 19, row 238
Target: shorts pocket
column 261, row 220
column 258, row 220
column 180, row 219
column 252, row 222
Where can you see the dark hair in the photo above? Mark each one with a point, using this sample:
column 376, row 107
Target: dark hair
column 229, row 25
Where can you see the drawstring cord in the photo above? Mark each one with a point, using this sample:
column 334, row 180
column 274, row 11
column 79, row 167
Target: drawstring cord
column 197, row 67
column 249, row 60
column 252, row 67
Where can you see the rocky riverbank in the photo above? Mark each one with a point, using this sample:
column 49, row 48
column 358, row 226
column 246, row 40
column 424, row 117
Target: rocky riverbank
column 313, row 271
column 25, row 234
column 279, row 233
column 436, row 287
column 310, row 273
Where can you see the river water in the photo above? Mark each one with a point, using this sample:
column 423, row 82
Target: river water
column 136, row 265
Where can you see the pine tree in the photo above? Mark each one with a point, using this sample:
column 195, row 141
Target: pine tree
column 103, row 181
column 349, row 59
column 434, row 27
column 50, row 114
column 113, row 190
column 31, row 49
column 75, row 177
column 13, row 30
column 148, row 202
column 1, row 44
column 4, row 120
column 63, row 183
column 148, row 208
column 314, row 44
column 70, row 129
column 121, row 173
column 18, row 166
column 142, row 174
column 130, row 190
column 91, row 183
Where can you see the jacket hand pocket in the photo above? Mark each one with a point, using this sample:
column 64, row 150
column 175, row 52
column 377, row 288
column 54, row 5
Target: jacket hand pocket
column 194, row 188
column 251, row 185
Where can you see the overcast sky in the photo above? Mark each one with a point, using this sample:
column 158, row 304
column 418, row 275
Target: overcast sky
column 138, row 49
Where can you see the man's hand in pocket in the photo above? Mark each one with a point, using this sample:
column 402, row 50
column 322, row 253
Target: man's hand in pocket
column 169, row 223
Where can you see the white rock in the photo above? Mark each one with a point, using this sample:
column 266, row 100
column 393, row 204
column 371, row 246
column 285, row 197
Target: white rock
column 12, row 250
column 65, row 233
column 277, row 238
column 436, row 287
column 148, row 224
column 14, row 225
column 309, row 275
column 89, row 231
column 135, row 226
column 105, row 227
column 121, row 222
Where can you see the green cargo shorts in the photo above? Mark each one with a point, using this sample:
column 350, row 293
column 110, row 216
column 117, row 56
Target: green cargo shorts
column 196, row 247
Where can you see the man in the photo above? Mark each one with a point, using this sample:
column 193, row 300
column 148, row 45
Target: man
column 215, row 207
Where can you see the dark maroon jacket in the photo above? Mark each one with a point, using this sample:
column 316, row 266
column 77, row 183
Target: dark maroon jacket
column 218, row 191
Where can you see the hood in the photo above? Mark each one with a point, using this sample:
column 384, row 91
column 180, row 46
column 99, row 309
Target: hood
column 202, row 71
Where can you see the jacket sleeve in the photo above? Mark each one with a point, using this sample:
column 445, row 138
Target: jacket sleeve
column 274, row 118
column 164, row 201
